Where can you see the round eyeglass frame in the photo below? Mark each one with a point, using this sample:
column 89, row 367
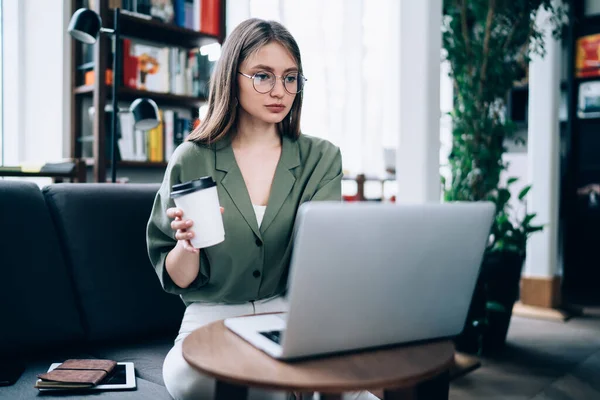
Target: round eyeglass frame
column 300, row 76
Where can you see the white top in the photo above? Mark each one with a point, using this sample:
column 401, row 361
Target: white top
column 260, row 213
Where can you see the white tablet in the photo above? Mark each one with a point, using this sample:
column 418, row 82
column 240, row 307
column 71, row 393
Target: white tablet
column 121, row 378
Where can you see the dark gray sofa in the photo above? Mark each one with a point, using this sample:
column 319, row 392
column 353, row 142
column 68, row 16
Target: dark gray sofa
column 76, row 282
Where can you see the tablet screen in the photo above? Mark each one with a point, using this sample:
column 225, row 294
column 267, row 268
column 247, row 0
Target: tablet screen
column 118, row 376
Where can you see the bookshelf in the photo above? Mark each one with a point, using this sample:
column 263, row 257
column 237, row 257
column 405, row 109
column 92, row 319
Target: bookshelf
column 160, row 32
column 94, row 130
column 579, row 212
column 129, row 94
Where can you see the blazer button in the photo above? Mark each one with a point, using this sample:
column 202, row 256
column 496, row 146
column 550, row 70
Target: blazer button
column 259, row 242
column 256, row 273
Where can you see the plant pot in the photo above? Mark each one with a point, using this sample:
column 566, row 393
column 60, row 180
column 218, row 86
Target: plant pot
column 469, row 341
column 502, row 275
column 496, row 292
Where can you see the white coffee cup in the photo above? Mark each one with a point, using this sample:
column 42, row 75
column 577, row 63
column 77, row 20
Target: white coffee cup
column 199, row 201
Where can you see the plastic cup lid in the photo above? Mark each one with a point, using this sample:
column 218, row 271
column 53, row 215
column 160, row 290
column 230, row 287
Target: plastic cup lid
column 181, row 189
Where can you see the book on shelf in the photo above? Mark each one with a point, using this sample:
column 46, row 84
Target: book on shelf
column 205, row 15
column 188, row 18
column 152, row 67
column 155, row 141
column 588, row 103
column 198, row 15
column 136, row 8
column 86, row 137
column 126, row 141
column 163, row 10
column 169, row 133
column 155, row 145
column 587, row 59
column 166, row 69
column 210, row 20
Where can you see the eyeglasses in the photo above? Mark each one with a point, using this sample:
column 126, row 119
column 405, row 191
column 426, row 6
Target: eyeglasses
column 264, row 81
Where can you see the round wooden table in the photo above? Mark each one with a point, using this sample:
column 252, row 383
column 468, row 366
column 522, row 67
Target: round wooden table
column 403, row 372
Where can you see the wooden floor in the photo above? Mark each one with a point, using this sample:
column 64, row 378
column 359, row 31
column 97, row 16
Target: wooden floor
column 544, row 360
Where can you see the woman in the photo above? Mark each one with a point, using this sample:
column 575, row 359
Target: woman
column 250, row 143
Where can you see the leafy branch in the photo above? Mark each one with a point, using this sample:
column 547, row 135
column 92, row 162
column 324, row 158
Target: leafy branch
column 488, row 44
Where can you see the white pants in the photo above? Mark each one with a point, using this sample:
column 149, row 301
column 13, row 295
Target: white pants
column 183, row 382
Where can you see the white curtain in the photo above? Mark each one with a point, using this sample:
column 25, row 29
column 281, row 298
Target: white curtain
column 348, row 51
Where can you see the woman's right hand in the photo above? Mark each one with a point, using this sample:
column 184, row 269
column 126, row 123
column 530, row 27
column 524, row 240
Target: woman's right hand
column 181, row 226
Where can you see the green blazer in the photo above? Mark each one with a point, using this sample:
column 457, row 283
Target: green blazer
column 252, row 263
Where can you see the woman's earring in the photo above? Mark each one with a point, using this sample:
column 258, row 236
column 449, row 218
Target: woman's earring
column 236, row 102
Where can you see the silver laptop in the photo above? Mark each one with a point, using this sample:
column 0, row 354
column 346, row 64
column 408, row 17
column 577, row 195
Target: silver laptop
column 366, row 275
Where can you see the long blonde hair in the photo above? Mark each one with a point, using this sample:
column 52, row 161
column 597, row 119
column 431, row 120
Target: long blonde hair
column 246, row 39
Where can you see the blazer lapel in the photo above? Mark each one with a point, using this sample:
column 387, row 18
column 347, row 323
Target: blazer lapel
column 233, row 183
column 283, row 181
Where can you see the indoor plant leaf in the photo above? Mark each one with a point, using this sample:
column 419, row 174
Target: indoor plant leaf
column 495, row 306
column 524, row 192
column 488, row 45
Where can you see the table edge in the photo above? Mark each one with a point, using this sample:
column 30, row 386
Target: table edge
column 383, row 384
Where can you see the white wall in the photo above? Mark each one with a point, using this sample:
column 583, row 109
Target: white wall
column 517, row 167
column 544, row 154
column 36, row 80
column 236, row 11
column 13, row 60
column 418, row 154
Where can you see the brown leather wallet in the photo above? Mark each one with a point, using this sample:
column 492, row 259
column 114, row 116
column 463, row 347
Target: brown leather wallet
column 76, row 374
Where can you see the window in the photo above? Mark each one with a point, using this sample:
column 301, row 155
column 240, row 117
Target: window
column 353, row 89
column 11, row 77
column 348, row 70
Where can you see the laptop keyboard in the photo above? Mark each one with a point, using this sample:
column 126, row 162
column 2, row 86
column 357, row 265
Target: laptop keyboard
column 274, row 336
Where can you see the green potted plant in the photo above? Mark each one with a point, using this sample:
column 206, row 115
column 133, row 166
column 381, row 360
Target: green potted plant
column 488, row 44
column 498, row 284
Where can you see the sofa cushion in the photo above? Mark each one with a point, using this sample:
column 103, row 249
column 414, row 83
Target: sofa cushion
column 37, row 300
column 103, row 228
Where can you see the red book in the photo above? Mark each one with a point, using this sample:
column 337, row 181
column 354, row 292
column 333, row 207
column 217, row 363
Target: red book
column 210, row 17
column 129, row 66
